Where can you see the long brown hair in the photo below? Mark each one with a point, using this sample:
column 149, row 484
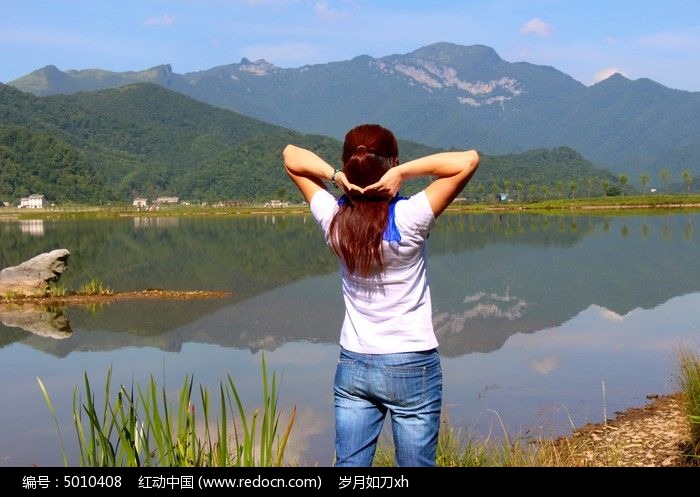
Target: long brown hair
column 357, row 228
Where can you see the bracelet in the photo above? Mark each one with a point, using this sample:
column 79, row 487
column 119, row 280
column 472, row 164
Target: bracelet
column 336, row 171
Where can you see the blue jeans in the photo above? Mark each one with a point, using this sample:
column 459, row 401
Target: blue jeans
column 407, row 385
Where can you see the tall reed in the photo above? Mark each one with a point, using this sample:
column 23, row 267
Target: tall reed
column 689, row 380
column 140, row 426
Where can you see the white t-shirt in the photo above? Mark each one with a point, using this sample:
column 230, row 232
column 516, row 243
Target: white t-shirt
column 390, row 312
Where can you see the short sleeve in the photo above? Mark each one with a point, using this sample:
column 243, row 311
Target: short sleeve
column 414, row 216
column 323, row 206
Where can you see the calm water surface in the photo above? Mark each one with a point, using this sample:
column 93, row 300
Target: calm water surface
column 534, row 314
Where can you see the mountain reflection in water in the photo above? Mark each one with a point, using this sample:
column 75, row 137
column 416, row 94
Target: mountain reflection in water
column 491, row 276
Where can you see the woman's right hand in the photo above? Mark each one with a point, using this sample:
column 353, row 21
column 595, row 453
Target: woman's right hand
column 350, row 189
column 387, row 186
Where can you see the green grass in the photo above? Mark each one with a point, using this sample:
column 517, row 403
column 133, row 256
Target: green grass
column 140, row 426
column 56, row 290
column 689, row 380
column 456, row 449
column 94, row 287
column 594, row 204
column 12, row 295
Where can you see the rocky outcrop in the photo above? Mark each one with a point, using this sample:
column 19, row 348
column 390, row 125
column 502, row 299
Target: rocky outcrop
column 32, row 277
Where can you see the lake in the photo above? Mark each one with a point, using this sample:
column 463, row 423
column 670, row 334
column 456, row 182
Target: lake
column 543, row 320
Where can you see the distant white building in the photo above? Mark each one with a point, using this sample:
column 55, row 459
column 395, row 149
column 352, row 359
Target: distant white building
column 140, row 203
column 32, row 202
column 167, row 200
column 275, row 204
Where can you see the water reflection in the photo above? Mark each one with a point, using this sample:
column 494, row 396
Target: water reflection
column 492, row 276
column 44, row 321
column 156, row 222
column 33, row 227
column 532, row 313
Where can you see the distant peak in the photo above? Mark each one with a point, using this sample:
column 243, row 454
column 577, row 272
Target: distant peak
column 614, row 78
column 362, row 58
column 49, row 68
column 162, row 69
column 618, row 76
column 449, row 51
column 260, row 67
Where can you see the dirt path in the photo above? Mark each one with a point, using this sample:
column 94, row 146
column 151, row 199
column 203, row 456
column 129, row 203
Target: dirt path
column 653, row 435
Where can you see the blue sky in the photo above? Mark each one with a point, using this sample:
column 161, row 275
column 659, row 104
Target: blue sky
column 585, row 39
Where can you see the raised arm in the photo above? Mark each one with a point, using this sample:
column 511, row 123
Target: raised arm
column 308, row 171
column 453, row 171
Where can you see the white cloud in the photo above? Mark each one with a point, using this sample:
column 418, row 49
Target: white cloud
column 536, row 27
column 469, row 299
column 164, row 20
column 604, row 74
column 309, row 423
column 545, row 366
column 284, row 54
column 324, row 11
column 609, row 315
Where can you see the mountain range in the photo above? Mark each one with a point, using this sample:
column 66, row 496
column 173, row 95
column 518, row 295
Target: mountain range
column 145, row 140
column 442, row 95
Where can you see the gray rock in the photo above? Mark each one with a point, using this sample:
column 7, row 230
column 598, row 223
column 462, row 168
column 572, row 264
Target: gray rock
column 32, row 277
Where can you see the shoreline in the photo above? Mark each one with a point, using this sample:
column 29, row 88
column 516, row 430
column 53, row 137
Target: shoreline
column 656, row 434
column 661, row 203
column 105, row 298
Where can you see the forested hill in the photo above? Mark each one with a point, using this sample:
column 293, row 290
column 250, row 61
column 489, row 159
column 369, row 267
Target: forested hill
column 32, row 162
column 145, row 140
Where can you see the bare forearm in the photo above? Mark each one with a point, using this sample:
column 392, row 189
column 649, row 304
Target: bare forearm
column 442, row 165
column 303, row 162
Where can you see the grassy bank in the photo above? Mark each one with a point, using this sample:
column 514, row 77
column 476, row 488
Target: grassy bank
column 595, row 205
column 583, row 205
column 654, row 435
column 86, row 212
column 689, row 379
column 456, row 449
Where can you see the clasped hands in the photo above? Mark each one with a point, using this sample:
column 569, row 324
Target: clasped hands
column 386, row 188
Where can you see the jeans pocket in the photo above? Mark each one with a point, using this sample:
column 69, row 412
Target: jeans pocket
column 406, row 386
column 344, row 383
